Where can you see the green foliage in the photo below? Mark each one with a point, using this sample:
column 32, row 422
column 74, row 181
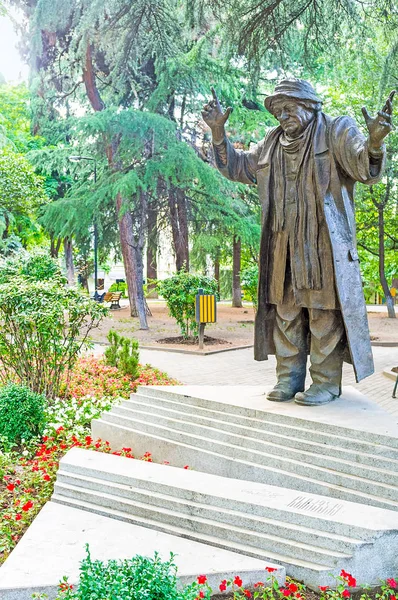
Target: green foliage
column 21, row 413
column 42, row 267
column 15, row 118
column 138, row 578
column 249, row 283
column 34, row 266
column 21, row 190
column 10, row 245
column 119, row 287
column 123, row 354
column 179, row 292
column 43, row 327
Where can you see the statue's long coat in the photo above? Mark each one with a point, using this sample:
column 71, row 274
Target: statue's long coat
column 340, row 152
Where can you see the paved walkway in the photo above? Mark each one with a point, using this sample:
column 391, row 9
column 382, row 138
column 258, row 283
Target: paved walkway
column 238, row 367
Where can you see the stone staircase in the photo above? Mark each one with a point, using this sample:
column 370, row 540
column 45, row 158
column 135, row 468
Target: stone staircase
column 310, row 535
column 269, row 445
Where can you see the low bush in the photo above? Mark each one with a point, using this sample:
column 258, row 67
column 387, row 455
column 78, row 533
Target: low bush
column 43, row 327
column 179, row 292
column 21, row 414
column 249, row 283
column 119, row 287
column 39, row 266
column 137, row 578
column 122, row 353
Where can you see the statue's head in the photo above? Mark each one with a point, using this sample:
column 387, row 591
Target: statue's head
column 294, row 103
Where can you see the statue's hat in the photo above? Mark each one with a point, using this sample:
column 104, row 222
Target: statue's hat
column 292, row 88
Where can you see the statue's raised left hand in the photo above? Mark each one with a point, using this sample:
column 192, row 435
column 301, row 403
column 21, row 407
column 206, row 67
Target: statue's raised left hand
column 380, row 125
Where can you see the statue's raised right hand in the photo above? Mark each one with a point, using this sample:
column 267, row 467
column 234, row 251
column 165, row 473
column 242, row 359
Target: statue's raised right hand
column 212, row 113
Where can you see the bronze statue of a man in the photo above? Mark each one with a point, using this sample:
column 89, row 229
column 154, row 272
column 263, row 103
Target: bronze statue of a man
column 310, row 297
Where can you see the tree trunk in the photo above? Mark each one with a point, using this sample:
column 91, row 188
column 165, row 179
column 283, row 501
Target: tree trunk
column 179, row 227
column 55, row 246
column 382, row 274
column 133, row 278
column 132, row 269
column 6, row 225
column 236, row 289
column 217, row 271
column 70, row 269
column 152, row 247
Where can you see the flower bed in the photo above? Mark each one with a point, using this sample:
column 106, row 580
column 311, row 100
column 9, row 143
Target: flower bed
column 91, row 376
column 27, row 474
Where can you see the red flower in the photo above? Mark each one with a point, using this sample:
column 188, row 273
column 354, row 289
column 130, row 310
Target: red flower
column 11, row 487
column 271, row 569
column 323, row 588
column 392, row 583
column 202, row 579
column 186, row 467
column 352, row 582
column 346, row 594
column 201, row 594
column 18, row 517
column 258, row 584
column 47, row 477
column 293, row 587
column 393, row 598
column 223, row 585
column 27, row 506
column 17, row 482
column 286, row 592
column 89, row 440
column 247, row 594
column 238, row 581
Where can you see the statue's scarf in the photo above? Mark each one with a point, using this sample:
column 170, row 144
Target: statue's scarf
column 305, row 264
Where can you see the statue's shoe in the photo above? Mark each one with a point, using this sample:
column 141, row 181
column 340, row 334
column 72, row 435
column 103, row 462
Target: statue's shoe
column 282, row 392
column 316, row 395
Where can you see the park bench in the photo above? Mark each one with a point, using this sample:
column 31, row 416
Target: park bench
column 114, row 299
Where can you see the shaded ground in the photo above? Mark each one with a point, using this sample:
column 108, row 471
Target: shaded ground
column 234, row 325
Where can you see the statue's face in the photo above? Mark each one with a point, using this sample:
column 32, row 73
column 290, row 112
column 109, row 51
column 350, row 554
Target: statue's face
column 292, row 116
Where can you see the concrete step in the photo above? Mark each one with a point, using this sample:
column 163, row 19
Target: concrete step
column 54, row 546
column 353, row 463
column 256, row 500
column 241, row 516
column 352, row 422
column 299, row 569
column 264, row 466
column 300, row 438
column 269, row 424
column 162, row 519
column 204, row 509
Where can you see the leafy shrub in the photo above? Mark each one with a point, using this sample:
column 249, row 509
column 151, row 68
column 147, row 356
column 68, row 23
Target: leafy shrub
column 119, row 287
column 137, row 578
column 21, row 413
column 179, row 292
column 43, row 327
column 10, row 245
column 42, row 267
column 123, row 354
column 35, row 266
column 249, row 283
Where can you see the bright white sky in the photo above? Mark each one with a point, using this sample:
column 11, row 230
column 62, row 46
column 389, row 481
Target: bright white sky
column 11, row 65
